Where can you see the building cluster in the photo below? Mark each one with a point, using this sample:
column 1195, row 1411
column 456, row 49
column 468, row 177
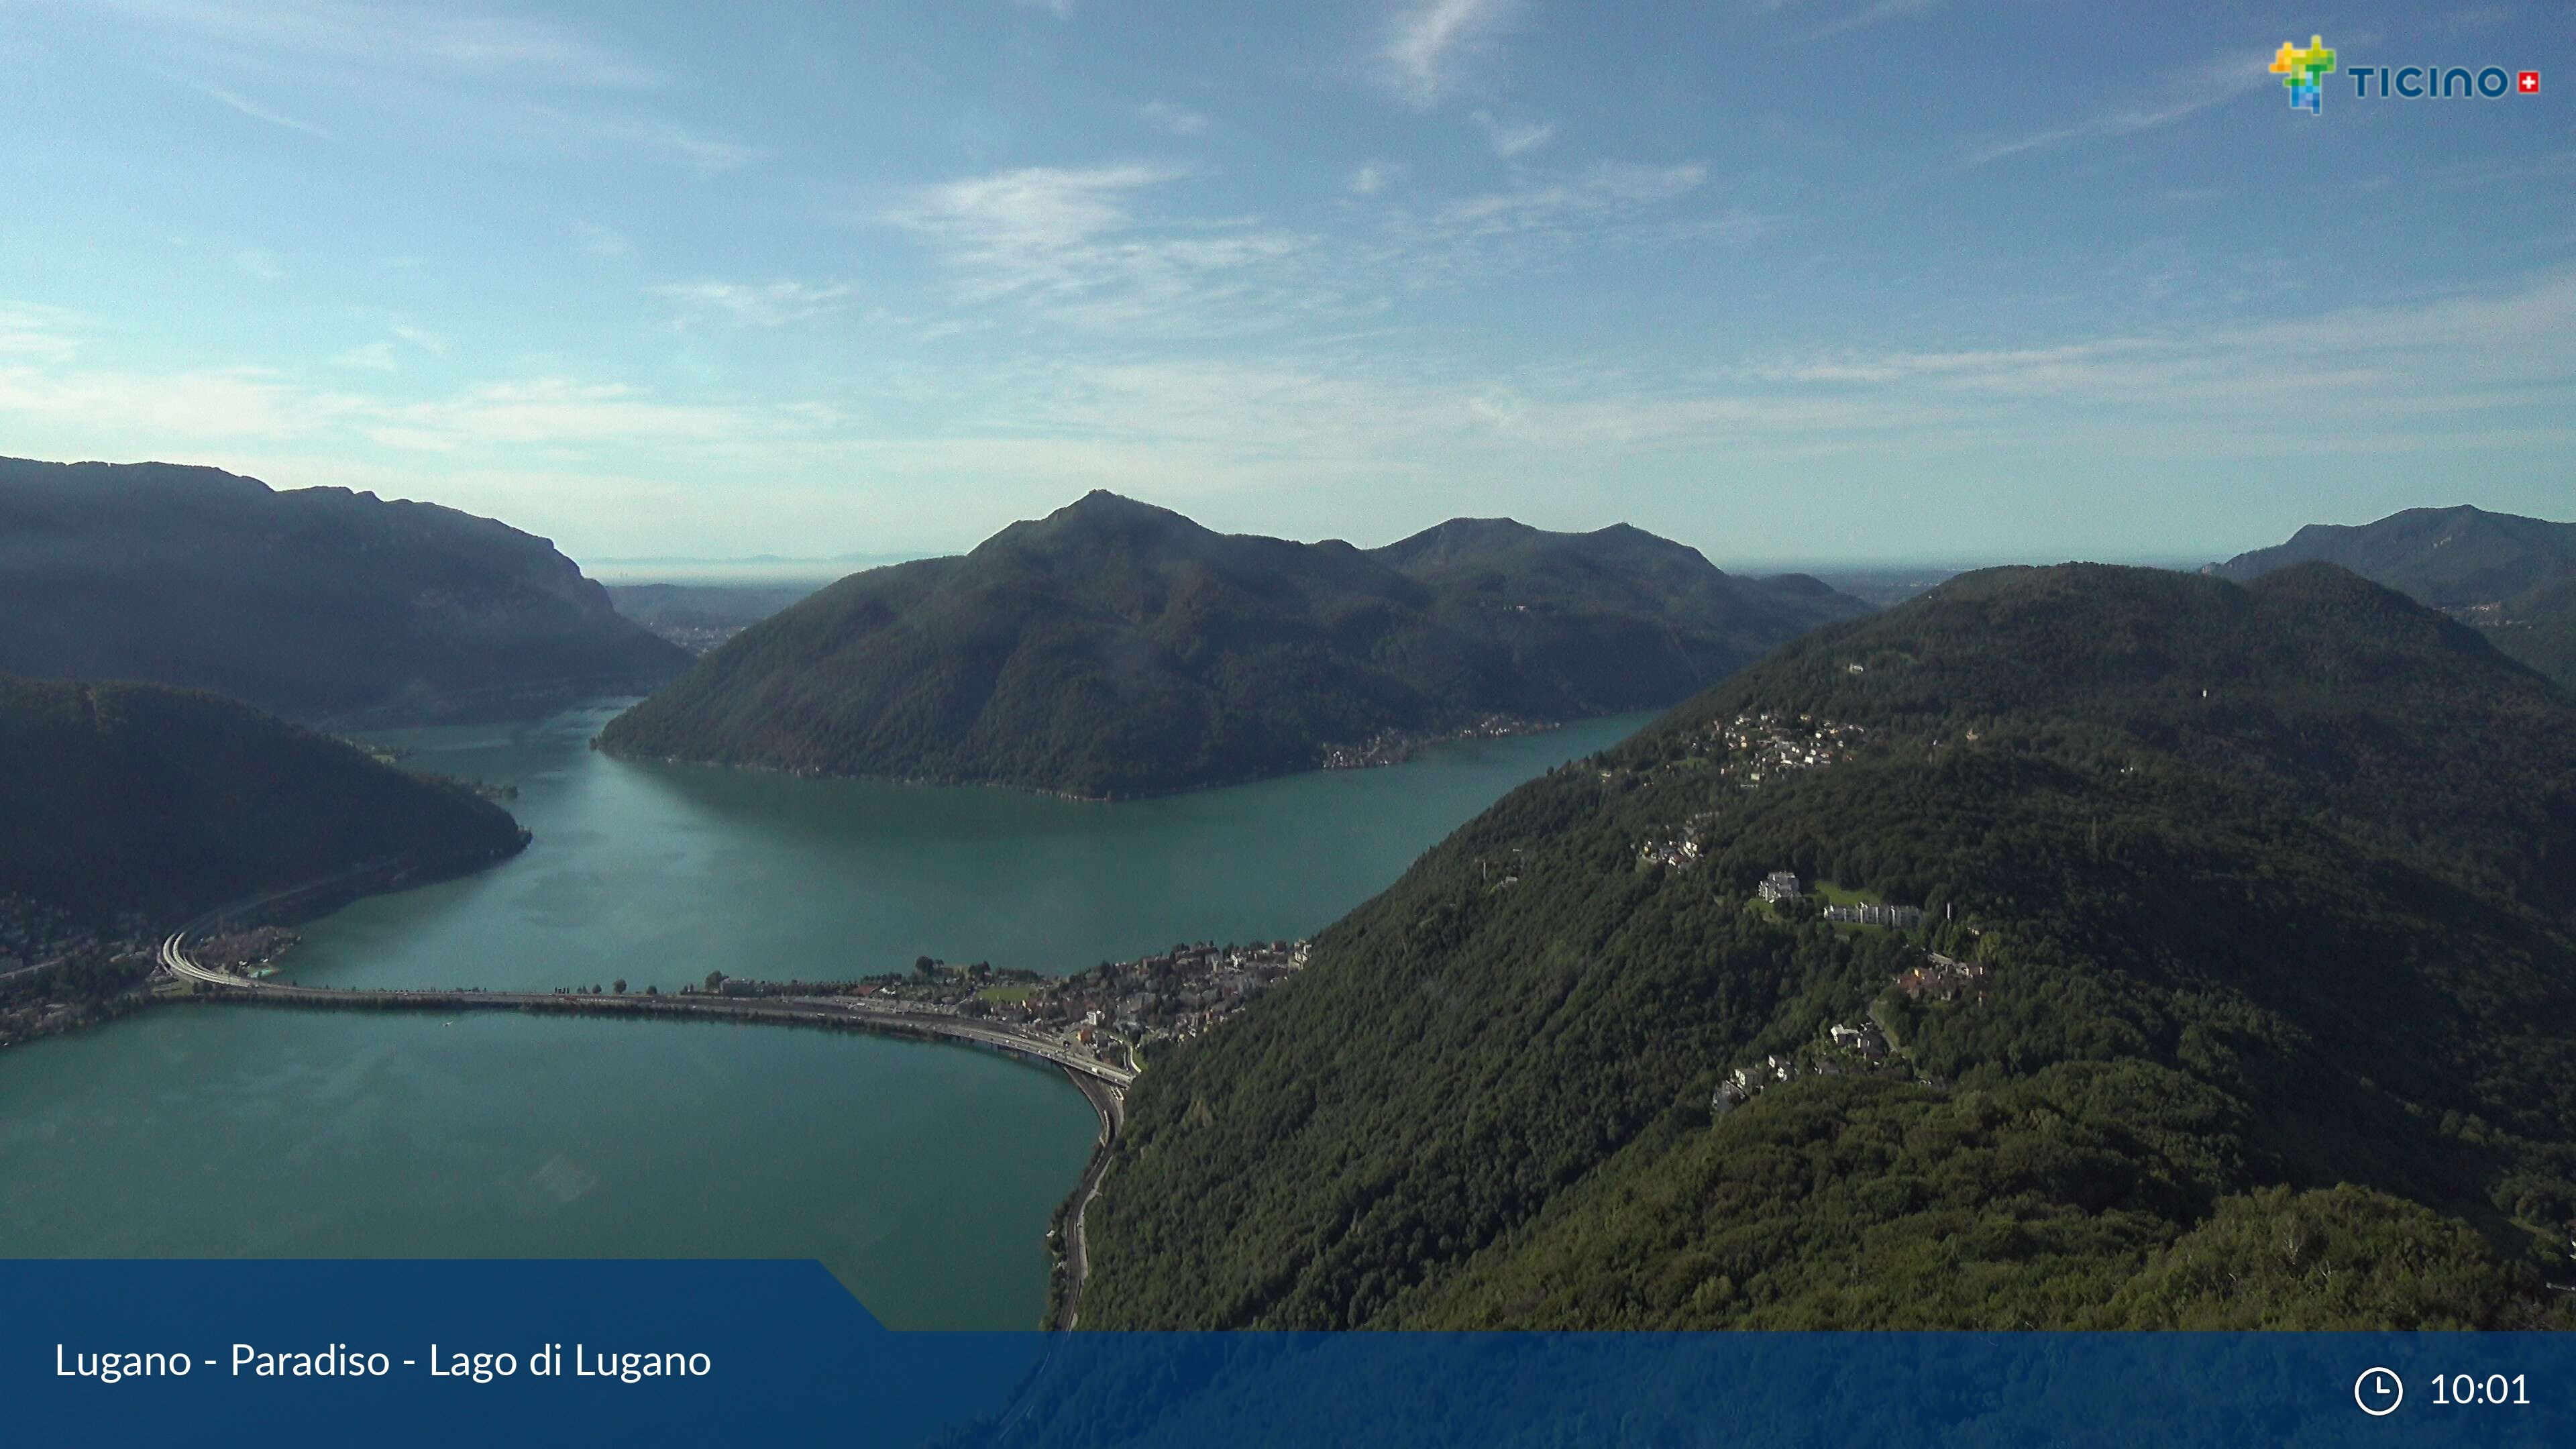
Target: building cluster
column 1778, row 886
column 35, row 939
column 1107, row 1010
column 1682, row 849
column 35, row 934
column 1903, row 918
column 1177, row 993
column 1751, row 748
column 1940, row 978
column 1394, row 747
column 1845, row 1050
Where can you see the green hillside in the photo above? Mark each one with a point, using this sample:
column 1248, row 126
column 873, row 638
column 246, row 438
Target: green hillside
column 2512, row 577
column 135, row 799
column 2274, row 892
column 319, row 604
column 1114, row 648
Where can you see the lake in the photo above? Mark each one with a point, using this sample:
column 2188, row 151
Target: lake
column 922, row 1174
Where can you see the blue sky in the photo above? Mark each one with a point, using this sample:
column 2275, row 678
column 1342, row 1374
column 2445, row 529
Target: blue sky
column 1787, row 279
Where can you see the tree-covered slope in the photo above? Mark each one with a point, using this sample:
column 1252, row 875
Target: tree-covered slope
column 2274, row 887
column 135, row 799
column 2512, row 577
column 317, row 604
column 1114, row 648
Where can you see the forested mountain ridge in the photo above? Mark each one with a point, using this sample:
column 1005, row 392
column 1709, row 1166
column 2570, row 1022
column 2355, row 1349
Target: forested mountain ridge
column 139, row 800
column 2511, row 577
column 1114, row 648
column 318, row 604
column 2266, row 1011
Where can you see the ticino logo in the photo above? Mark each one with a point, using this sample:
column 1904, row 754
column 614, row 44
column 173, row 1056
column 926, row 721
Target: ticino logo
column 2303, row 70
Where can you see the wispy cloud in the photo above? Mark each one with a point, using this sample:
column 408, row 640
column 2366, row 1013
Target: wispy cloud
column 29, row 330
column 262, row 113
column 1429, row 43
column 446, row 71
column 1079, row 246
column 1868, row 15
column 1179, row 120
column 772, row 304
column 1510, row 139
column 436, row 38
column 1375, row 176
column 601, row 241
column 372, row 357
column 2182, row 96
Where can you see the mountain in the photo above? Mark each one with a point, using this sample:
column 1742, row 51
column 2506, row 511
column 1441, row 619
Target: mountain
column 2512, row 577
column 1113, row 648
column 318, row 604
column 2256, row 1008
column 134, row 799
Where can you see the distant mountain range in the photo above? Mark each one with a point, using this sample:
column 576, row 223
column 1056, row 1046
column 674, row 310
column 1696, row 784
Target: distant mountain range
column 2513, row 578
column 318, row 604
column 138, row 799
column 1114, row 648
column 2244, row 997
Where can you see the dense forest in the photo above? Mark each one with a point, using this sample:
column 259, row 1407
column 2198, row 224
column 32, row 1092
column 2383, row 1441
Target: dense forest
column 2259, row 902
column 137, row 800
column 2513, row 578
column 318, row 604
column 1113, row 648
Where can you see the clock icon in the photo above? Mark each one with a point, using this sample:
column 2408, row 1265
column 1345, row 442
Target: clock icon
column 2379, row 1391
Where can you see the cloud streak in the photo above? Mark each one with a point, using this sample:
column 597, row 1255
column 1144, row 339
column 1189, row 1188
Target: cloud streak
column 262, row 113
column 1429, row 45
column 2184, row 96
column 773, row 304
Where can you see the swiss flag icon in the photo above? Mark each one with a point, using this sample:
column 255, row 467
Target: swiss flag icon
column 2528, row 83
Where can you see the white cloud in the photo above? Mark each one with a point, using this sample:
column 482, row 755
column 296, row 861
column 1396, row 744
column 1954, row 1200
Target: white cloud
column 1866, row 16
column 2181, row 97
column 772, row 304
column 30, row 330
column 263, row 113
column 429, row 342
column 1073, row 247
column 601, row 241
column 1429, row 43
column 444, row 71
column 438, row 38
column 1605, row 188
column 1511, row 139
column 1376, row 176
column 373, row 356
column 1179, row 120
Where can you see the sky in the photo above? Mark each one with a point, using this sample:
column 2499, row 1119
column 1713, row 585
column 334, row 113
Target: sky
column 1788, row 280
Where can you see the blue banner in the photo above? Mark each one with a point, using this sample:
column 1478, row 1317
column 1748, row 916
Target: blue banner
column 647, row 1353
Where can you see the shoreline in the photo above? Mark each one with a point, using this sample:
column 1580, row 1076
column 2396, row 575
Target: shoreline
column 1412, row 747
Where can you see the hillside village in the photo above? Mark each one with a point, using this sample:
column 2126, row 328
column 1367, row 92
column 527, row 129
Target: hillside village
column 1741, row 754
column 1109, row 1011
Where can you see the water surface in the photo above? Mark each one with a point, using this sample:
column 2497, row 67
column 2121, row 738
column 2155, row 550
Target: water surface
column 922, row 1174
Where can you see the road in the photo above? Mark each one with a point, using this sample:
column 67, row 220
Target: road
column 1111, row 1103
column 795, row 1010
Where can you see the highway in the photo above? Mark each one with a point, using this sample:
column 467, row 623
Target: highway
column 788, row 1010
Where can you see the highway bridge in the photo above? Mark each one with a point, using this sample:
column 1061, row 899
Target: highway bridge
column 829, row 1011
